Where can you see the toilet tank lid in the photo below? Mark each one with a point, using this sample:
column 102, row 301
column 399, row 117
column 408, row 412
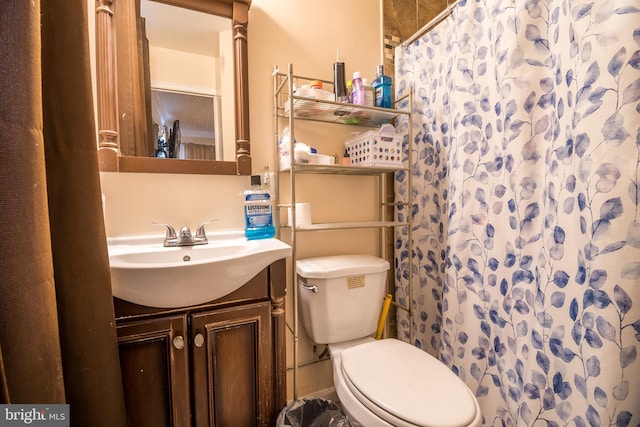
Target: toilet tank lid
column 330, row 267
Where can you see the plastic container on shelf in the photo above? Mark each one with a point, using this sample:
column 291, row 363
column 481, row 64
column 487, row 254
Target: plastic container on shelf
column 307, row 107
column 321, row 159
column 376, row 148
column 302, row 152
column 314, row 90
column 369, row 94
column 284, row 149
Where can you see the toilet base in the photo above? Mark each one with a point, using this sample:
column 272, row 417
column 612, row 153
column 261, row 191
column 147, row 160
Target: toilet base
column 356, row 414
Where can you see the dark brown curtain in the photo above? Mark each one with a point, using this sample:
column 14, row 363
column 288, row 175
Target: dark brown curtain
column 57, row 328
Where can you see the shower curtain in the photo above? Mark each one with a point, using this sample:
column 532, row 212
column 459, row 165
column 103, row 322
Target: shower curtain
column 58, row 341
column 525, row 194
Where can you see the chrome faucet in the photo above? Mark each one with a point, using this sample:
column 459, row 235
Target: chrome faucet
column 185, row 237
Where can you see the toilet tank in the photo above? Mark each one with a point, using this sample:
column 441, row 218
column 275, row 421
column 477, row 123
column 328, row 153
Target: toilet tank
column 340, row 297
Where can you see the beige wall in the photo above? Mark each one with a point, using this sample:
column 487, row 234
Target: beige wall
column 183, row 69
column 307, row 34
column 226, row 89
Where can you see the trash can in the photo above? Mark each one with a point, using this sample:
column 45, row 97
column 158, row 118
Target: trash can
column 312, row 413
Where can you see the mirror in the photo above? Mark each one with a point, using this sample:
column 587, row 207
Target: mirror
column 191, row 75
column 139, row 86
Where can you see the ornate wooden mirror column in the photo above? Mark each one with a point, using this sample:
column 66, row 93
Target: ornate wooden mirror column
column 110, row 135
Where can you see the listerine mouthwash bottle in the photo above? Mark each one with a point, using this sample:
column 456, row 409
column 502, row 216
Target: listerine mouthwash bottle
column 258, row 212
column 382, row 86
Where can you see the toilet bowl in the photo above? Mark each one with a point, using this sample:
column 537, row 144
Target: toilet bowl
column 384, row 383
column 379, row 382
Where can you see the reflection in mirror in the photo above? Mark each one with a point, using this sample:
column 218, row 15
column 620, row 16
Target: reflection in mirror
column 186, row 125
column 189, row 52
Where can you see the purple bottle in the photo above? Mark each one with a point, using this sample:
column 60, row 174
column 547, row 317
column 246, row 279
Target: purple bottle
column 357, row 90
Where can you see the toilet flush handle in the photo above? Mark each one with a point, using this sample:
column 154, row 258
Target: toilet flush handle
column 312, row 288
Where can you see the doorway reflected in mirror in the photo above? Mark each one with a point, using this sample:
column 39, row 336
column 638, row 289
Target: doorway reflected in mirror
column 186, row 125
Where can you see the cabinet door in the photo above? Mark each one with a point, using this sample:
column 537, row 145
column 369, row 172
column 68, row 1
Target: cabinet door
column 155, row 371
column 232, row 367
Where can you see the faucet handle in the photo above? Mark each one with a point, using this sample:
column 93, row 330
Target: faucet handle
column 200, row 232
column 171, row 232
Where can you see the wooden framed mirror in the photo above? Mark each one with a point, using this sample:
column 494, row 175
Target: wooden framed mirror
column 125, row 124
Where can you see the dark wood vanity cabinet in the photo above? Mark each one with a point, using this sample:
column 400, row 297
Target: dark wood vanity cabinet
column 232, row 366
column 217, row 364
column 154, row 359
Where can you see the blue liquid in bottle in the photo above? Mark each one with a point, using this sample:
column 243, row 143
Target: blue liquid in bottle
column 258, row 212
column 382, row 86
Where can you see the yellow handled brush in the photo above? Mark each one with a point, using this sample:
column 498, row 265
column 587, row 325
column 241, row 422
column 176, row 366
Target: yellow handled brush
column 383, row 315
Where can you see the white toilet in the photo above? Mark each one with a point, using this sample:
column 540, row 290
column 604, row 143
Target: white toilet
column 379, row 382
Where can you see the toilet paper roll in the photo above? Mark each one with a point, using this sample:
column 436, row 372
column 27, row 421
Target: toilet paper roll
column 303, row 214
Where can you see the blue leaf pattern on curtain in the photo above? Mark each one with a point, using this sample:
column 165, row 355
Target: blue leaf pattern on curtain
column 525, row 205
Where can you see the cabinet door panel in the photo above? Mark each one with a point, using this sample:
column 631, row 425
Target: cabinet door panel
column 233, row 367
column 155, row 372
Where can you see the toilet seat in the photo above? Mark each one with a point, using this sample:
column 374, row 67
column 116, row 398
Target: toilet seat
column 406, row 386
column 385, row 417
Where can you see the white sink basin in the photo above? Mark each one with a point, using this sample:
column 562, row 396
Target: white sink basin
column 144, row 272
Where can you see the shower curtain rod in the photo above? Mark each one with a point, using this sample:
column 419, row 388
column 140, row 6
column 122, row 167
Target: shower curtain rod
column 435, row 21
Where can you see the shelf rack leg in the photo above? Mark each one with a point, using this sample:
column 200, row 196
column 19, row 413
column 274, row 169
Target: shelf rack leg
column 294, row 284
